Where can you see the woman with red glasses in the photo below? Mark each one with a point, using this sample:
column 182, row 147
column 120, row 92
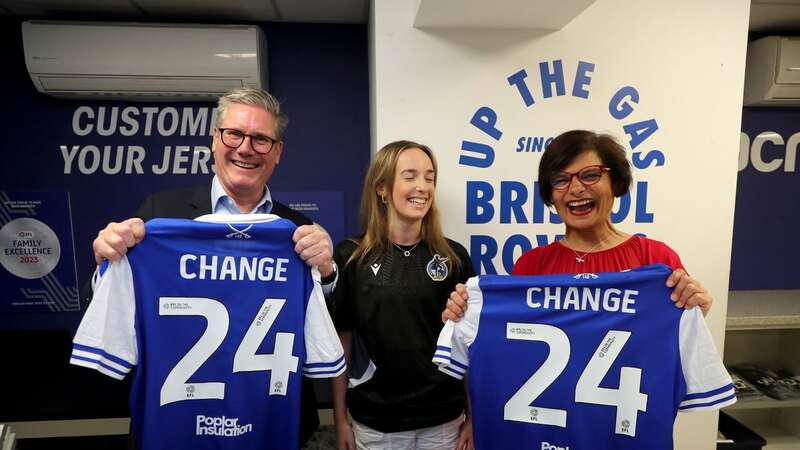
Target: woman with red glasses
column 580, row 173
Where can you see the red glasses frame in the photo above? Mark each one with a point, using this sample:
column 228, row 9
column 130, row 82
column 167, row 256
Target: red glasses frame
column 558, row 186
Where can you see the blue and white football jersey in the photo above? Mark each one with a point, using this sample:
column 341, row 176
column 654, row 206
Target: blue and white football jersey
column 589, row 361
column 220, row 321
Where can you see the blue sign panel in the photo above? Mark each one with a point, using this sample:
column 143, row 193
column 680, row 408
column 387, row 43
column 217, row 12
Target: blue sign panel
column 767, row 190
column 325, row 208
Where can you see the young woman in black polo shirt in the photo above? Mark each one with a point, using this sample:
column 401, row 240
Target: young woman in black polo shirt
column 395, row 279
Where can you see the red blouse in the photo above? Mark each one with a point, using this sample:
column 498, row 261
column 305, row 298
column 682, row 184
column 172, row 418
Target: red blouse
column 634, row 252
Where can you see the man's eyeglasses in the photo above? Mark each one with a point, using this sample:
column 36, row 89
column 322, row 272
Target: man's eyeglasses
column 234, row 138
column 587, row 176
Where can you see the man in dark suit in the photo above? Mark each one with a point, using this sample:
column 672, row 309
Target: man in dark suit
column 247, row 145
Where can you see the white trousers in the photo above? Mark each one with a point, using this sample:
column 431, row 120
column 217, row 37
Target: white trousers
column 439, row 437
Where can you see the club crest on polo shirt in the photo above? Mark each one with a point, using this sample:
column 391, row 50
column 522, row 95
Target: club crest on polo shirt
column 437, row 268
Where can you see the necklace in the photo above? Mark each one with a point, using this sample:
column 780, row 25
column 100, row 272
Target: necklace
column 582, row 258
column 406, row 253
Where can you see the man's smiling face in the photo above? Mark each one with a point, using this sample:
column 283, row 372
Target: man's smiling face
column 242, row 171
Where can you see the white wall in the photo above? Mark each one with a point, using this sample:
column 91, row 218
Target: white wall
column 684, row 58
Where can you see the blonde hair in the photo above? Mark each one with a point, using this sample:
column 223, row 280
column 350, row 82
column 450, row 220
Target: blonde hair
column 375, row 211
column 254, row 97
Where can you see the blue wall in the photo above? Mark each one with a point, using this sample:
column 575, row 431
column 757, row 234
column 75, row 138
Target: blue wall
column 765, row 242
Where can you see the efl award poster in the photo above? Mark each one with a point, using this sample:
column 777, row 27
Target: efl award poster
column 37, row 253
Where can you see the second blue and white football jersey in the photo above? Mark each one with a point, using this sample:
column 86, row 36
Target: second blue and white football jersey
column 589, row 361
column 219, row 321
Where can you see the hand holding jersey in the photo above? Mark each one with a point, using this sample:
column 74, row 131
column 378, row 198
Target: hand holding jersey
column 688, row 292
column 113, row 241
column 314, row 246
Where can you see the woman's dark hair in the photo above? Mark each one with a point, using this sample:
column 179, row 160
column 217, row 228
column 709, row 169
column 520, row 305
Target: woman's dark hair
column 568, row 145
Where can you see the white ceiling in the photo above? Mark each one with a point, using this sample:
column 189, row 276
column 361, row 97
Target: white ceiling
column 766, row 16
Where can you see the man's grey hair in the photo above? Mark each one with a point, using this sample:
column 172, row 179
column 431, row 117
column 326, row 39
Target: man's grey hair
column 254, row 97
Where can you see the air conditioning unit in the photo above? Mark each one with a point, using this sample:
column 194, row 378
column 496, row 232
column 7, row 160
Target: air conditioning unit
column 146, row 62
column 772, row 72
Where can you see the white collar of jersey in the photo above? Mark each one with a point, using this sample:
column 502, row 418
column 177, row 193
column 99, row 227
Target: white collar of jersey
column 237, row 218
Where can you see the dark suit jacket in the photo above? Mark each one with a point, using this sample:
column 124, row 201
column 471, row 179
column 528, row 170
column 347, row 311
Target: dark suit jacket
column 190, row 203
